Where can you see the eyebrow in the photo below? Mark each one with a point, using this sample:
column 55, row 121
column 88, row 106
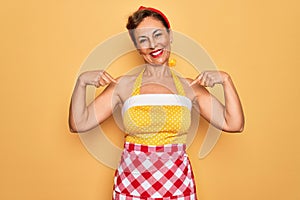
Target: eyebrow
column 142, row 36
column 155, row 31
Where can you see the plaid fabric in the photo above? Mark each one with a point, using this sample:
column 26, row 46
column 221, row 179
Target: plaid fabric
column 154, row 173
column 118, row 196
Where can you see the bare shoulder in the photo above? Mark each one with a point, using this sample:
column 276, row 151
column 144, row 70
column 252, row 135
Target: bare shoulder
column 124, row 86
column 197, row 89
column 185, row 80
column 126, row 79
column 121, row 83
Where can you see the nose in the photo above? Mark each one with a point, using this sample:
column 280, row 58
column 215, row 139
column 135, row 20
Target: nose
column 152, row 43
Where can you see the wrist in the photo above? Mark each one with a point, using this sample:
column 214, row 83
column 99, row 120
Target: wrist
column 81, row 82
column 226, row 78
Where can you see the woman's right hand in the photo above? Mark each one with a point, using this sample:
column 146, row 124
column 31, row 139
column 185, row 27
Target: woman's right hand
column 96, row 78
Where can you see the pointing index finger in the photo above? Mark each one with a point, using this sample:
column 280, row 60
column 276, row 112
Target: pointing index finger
column 111, row 78
column 193, row 82
column 196, row 80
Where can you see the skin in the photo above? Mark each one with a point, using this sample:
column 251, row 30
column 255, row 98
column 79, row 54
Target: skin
column 154, row 44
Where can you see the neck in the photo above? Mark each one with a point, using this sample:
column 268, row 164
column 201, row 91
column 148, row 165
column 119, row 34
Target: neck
column 157, row 71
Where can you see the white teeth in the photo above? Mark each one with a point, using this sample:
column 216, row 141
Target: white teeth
column 156, row 53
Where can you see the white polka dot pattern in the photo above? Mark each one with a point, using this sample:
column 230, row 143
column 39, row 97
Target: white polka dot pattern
column 158, row 124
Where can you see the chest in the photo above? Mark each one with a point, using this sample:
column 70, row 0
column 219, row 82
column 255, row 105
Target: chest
column 155, row 119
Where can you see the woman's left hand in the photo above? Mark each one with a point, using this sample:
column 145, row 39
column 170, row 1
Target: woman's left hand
column 228, row 116
column 210, row 78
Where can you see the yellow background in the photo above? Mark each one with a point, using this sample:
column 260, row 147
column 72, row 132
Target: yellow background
column 43, row 44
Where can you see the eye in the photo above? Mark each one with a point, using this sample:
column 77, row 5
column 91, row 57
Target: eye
column 142, row 40
column 157, row 35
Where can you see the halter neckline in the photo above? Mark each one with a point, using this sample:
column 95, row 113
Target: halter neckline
column 138, row 83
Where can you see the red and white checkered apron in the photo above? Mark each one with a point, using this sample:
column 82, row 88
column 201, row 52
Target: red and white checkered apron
column 154, row 173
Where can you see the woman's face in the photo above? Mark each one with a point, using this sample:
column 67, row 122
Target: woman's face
column 153, row 41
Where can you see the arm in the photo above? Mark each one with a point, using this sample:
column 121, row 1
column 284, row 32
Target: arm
column 82, row 117
column 228, row 117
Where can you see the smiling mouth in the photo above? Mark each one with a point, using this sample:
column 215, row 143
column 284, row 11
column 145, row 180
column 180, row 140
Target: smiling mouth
column 157, row 53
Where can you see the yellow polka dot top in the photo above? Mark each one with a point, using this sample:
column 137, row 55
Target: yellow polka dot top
column 156, row 119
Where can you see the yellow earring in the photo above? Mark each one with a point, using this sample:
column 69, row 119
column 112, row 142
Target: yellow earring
column 172, row 62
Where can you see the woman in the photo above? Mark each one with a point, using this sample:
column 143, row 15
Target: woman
column 156, row 110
